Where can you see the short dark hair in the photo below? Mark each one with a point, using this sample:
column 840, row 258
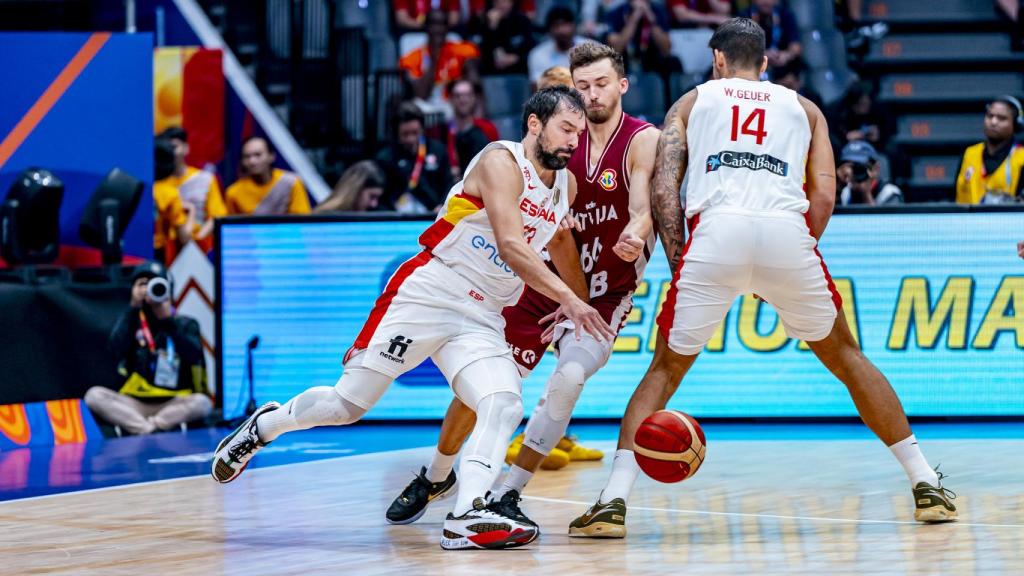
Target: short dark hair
column 559, row 15
column 174, row 133
column 270, row 147
column 742, row 42
column 587, row 53
column 409, row 112
column 545, row 103
column 477, row 88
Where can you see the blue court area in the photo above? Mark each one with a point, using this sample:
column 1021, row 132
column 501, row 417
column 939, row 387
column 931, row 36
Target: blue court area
column 40, row 471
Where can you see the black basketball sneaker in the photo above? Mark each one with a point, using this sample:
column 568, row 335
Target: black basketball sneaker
column 412, row 502
column 934, row 503
column 508, row 505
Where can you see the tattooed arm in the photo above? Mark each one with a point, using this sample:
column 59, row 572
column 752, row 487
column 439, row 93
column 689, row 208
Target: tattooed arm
column 669, row 169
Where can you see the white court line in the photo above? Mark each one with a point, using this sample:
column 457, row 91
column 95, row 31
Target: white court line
column 535, row 498
column 776, row 516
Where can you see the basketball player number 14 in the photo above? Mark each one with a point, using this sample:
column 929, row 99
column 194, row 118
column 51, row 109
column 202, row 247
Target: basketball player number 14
column 758, row 132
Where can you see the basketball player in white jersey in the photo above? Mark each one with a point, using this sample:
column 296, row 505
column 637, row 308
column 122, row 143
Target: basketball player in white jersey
column 446, row 303
column 753, row 228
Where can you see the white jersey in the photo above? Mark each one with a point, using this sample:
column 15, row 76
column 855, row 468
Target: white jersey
column 748, row 144
column 463, row 240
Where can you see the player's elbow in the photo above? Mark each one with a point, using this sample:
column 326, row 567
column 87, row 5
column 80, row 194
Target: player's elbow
column 510, row 250
column 824, row 198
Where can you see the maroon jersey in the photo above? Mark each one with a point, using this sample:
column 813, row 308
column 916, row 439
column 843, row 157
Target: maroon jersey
column 602, row 209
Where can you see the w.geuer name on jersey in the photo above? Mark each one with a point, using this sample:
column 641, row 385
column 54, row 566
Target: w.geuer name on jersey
column 747, row 160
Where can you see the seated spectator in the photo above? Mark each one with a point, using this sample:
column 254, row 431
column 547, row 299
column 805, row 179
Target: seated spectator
column 264, row 189
column 638, row 29
column 200, row 193
column 467, row 135
column 857, row 116
column 358, row 190
column 505, row 37
column 992, row 172
column 478, row 7
column 160, row 356
column 792, row 76
column 418, row 175
column 440, row 60
column 554, row 49
column 411, row 15
column 699, row 13
column 172, row 226
column 555, row 76
column 859, row 172
column 782, row 36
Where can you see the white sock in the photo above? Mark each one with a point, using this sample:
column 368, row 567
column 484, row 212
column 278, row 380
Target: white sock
column 909, row 454
column 516, row 479
column 624, row 473
column 441, row 466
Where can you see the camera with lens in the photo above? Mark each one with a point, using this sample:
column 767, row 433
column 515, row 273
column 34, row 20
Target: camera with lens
column 860, row 172
column 158, row 290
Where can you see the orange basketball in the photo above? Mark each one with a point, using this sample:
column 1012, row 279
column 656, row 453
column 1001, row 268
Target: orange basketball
column 669, row 446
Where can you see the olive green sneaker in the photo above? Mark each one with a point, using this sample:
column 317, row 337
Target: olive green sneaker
column 934, row 503
column 603, row 520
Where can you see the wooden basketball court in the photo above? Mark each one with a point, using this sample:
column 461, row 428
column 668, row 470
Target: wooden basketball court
column 756, row 507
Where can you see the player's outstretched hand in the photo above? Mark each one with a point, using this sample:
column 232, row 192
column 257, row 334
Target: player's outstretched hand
column 584, row 317
column 552, row 321
column 569, row 223
column 629, row 247
column 1020, row 248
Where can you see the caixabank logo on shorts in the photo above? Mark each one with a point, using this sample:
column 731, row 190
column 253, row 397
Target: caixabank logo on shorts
column 747, row 160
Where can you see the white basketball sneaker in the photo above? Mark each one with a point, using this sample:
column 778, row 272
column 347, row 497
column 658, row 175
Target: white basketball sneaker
column 484, row 527
column 234, row 452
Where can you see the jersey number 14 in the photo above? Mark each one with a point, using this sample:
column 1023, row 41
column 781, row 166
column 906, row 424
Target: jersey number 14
column 757, row 132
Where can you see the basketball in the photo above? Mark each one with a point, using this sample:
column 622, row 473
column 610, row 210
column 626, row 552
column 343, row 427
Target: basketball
column 669, row 446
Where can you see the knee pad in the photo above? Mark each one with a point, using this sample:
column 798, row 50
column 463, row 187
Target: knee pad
column 323, row 405
column 564, row 388
column 505, row 408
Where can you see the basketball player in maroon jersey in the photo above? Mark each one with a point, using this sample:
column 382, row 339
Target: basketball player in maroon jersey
column 613, row 166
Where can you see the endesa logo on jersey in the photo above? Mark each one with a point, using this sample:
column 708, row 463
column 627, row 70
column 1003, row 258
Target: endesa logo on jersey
column 747, row 160
column 531, row 209
column 491, row 253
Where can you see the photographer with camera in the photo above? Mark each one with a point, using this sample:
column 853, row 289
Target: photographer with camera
column 858, row 170
column 160, row 355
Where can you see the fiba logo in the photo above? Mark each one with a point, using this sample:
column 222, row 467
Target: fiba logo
column 607, row 179
column 529, row 356
column 398, row 348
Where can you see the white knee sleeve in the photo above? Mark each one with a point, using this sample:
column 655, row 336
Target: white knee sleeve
column 323, row 406
column 564, row 388
column 577, row 361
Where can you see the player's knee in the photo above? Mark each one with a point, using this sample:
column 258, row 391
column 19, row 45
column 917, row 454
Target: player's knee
column 564, row 390
column 506, row 406
column 324, row 406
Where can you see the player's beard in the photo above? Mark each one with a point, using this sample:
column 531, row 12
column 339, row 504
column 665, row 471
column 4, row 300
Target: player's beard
column 600, row 116
column 550, row 159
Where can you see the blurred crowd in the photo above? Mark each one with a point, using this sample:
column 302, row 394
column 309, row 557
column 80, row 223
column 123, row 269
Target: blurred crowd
column 448, row 47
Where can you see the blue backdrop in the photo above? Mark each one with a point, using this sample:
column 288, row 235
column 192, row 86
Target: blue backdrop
column 104, row 120
column 937, row 301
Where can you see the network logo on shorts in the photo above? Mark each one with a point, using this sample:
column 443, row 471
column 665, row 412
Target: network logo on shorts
column 746, row 160
column 398, row 348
